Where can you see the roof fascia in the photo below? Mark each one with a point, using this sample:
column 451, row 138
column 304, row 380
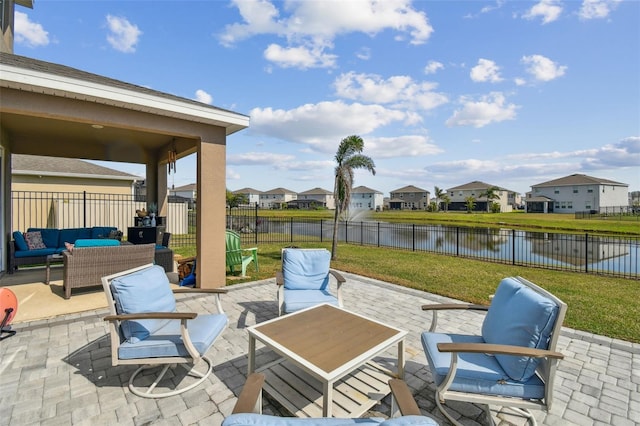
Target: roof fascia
column 74, row 175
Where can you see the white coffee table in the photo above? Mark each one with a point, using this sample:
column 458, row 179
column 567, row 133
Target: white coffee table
column 327, row 365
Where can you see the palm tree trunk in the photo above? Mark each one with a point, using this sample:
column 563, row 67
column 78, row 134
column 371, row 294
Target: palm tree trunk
column 334, row 243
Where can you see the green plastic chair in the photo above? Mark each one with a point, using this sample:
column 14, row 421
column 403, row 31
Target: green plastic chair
column 237, row 256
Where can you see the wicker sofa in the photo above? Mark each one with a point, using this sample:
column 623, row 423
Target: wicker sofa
column 85, row 267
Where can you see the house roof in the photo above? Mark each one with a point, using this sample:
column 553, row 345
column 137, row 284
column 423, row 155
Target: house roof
column 247, row 191
column 578, row 179
column 364, row 190
column 188, row 187
column 69, row 167
column 476, row 184
column 538, row 199
column 316, row 191
column 280, row 191
column 410, row 188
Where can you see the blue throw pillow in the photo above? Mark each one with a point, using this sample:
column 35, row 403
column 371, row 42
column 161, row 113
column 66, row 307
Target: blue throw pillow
column 21, row 244
column 519, row 316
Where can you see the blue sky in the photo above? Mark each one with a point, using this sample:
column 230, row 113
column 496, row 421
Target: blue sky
column 511, row 93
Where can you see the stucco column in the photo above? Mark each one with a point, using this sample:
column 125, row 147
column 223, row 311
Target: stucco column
column 210, row 205
column 161, row 195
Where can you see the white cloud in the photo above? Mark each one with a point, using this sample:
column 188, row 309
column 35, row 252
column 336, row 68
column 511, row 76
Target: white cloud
column 398, row 91
column 29, row 33
column 204, row 97
column 315, row 24
column 432, row 67
column 548, row 10
column 322, row 126
column 123, row 35
column 489, row 109
column 486, row 70
column 299, row 57
column 258, row 158
column 364, row 54
column 542, row 68
column 597, row 9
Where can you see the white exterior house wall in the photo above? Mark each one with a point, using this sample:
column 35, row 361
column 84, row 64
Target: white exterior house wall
column 505, row 200
column 270, row 201
column 578, row 198
column 326, row 200
column 366, row 201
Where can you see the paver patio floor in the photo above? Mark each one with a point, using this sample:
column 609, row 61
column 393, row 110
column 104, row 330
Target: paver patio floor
column 58, row 372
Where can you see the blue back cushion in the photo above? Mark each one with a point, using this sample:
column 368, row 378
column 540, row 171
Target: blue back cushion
column 306, row 269
column 96, row 243
column 522, row 317
column 101, row 231
column 49, row 236
column 147, row 290
column 21, row 244
column 70, row 235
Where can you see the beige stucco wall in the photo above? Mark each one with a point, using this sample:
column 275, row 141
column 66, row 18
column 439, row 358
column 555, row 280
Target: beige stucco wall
column 70, row 184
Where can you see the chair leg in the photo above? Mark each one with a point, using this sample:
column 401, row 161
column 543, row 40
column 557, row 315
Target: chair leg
column 148, row 392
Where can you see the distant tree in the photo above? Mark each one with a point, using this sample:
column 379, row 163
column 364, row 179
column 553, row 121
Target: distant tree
column 471, row 203
column 236, row 200
column 491, row 194
column 348, row 158
column 439, row 193
column 446, row 200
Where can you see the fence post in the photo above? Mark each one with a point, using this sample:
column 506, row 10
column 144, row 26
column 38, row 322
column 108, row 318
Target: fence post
column 586, row 252
column 457, row 241
column 378, row 237
column 321, row 231
column 84, row 208
column 291, row 228
column 361, row 233
column 346, row 231
column 413, row 237
column 513, row 246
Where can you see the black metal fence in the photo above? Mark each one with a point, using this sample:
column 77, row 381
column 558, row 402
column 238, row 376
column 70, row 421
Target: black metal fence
column 568, row 252
column 623, row 212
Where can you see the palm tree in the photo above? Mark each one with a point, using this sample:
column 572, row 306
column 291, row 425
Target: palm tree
column 471, row 203
column 491, row 194
column 446, row 200
column 438, row 192
column 348, row 158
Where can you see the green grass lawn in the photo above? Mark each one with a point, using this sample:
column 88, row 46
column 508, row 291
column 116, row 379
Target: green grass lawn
column 596, row 304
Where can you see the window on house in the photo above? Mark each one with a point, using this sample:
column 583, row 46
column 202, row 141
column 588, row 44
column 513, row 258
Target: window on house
column 587, row 206
column 569, row 205
column 556, row 190
column 556, row 205
column 575, row 190
column 590, row 190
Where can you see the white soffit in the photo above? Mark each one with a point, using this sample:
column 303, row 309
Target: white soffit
column 52, row 84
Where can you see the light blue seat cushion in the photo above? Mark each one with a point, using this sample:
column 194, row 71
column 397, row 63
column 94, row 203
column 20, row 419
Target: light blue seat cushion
column 295, row 300
column 305, row 269
column 98, row 242
column 167, row 340
column 249, row 419
column 519, row 316
column 476, row 373
column 147, row 290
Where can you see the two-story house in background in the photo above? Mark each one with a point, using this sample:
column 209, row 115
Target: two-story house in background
column 409, row 198
column 276, row 198
column 363, row 198
column 314, row 198
column 577, row 193
column 252, row 195
column 459, row 194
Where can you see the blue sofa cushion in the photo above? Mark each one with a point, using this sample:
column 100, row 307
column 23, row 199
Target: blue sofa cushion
column 49, row 236
column 21, row 244
column 252, row 419
column 522, row 317
column 301, row 299
column 305, row 269
column 37, row 252
column 147, row 290
column 70, row 235
column 476, row 373
column 95, row 243
column 166, row 341
column 102, row 231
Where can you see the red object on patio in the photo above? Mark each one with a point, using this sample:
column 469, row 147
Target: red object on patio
column 9, row 309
